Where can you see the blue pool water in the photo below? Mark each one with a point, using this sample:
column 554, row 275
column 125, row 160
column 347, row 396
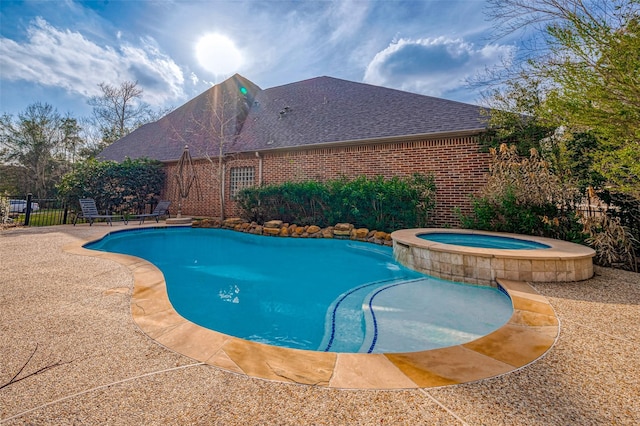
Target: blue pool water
column 316, row 294
column 483, row 241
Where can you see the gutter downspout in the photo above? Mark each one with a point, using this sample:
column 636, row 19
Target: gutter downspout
column 259, row 168
column 222, row 187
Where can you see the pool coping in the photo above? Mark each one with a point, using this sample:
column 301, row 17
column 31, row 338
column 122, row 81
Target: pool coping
column 530, row 332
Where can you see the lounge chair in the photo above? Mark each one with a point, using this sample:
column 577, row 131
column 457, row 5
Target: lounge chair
column 162, row 209
column 90, row 213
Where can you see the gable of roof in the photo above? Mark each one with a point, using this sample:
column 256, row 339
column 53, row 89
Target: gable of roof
column 213, row 116
column 318, row 111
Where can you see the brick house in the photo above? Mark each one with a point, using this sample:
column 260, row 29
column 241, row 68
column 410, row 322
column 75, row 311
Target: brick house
column 321, row 128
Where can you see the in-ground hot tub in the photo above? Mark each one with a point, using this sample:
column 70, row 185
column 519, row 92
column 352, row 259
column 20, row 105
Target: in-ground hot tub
column 480, row 257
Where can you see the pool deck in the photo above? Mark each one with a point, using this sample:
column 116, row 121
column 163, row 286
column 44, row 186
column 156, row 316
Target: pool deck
column 90, row 323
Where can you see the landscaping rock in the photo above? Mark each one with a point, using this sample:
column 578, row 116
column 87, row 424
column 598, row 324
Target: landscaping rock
column 270, row 231
column 207, row 223
column 273, row 224
column 313, row 229
column 380, row 235
column 232, row 222
column 280, row 229
column 342, row 229
column 361, row 233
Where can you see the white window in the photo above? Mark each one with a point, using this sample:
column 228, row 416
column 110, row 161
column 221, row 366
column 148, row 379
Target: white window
column 241, row 177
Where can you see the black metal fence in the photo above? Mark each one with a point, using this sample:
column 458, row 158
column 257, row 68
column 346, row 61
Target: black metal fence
column 30, row 211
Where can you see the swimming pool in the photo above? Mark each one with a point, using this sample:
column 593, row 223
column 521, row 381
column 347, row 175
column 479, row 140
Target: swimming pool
column 323, row 295
column 483, row 241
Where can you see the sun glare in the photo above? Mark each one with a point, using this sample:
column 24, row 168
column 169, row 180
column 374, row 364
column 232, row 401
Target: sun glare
column 218, row 54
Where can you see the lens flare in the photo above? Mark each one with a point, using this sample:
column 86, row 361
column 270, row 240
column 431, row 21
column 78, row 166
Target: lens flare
column 218, row 54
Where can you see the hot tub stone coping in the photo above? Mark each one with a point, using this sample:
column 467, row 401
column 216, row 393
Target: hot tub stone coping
column 558, row 249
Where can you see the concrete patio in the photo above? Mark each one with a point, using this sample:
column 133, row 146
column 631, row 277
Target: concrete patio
column 91, row 364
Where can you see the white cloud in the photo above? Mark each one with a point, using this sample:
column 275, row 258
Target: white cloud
column 194, row 79
column 67, row 60
column 432, row 66
column 347, row 17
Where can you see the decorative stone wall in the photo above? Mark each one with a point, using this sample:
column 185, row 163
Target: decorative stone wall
column 277, row 228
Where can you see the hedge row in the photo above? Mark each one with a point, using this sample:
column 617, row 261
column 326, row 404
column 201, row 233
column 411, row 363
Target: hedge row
column 377, row 203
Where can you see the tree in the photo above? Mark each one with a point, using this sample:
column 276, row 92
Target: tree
column 602, row 95
column 584, row 54
column 11, row 180
column 127, row 186
column 38, row 143
column 514, row 117
column 119, row 111
column 223, row 112
column 214, row 125
column 72, row 142
column 517, row 119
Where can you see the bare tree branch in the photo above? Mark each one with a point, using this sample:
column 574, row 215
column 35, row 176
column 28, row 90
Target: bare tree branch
column 15, row 380
column 120, row 110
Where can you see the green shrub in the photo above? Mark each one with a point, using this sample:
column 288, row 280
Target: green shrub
column 524, row 196
column 303, row 203
column 378, row 203
column 506, row 213
column 118, row 187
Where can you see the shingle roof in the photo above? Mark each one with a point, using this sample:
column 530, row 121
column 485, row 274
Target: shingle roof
column 321, row 110
column 325, row 110
column 196, row 123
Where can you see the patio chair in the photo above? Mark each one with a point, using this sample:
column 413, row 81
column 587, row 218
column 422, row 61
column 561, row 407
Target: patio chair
column 162, row 209
column 90, row 213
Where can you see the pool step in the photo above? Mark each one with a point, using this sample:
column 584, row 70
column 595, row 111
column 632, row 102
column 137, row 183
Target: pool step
column 345, row 320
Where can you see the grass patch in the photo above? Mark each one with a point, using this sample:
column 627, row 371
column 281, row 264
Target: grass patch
column 44, row 217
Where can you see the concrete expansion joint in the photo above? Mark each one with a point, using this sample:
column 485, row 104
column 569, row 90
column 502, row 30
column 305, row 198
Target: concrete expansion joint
column 595, row 330
column 444, row 407
column 97, row 388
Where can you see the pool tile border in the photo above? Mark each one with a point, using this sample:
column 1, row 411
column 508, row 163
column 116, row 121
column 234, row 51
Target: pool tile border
column 531, row 331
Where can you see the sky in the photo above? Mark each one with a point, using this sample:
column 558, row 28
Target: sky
column 59, row 51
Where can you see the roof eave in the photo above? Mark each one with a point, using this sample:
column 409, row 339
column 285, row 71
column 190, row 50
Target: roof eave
column 376, row 141
column 353, row 142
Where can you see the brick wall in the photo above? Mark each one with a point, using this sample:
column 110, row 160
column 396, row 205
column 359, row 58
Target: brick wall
column 458, row 166
column 204, row 197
